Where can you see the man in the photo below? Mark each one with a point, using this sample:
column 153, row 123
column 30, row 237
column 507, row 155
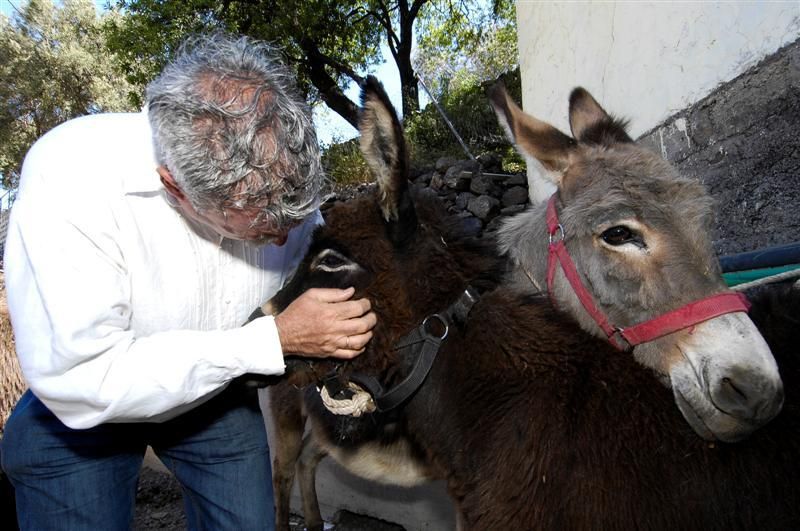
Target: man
column 137, row 247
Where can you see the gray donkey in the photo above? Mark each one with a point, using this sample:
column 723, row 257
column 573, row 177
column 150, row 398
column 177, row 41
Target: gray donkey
column 639, row 235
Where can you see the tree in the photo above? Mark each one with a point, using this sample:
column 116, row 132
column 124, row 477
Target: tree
column 459, row 49
column 397, row 20
column 329, row 43
column 53, row 66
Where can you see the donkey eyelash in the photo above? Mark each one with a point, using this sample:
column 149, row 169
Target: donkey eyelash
column 622, row 233
column 331, row 261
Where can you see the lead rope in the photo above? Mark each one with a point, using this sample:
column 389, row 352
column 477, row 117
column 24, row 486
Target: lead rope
column 361, row 402
column 368, row 395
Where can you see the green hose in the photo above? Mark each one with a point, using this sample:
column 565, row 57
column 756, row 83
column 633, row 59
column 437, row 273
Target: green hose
column 740, row 277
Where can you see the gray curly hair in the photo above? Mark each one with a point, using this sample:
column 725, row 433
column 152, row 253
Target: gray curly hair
column 230, row 126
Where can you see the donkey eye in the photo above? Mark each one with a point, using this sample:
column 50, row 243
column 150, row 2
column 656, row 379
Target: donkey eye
column 331, row 261
column 619, row 235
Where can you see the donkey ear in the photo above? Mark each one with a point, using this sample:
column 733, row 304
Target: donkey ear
column 384, row 148
column 591, row 124
column 532, row 137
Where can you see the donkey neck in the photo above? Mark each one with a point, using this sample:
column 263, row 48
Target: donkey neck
column 524, row 240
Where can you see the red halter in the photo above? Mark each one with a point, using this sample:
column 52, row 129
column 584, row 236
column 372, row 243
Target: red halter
column 684, row 317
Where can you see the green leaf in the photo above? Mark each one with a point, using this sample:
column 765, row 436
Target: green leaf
column 54, row 65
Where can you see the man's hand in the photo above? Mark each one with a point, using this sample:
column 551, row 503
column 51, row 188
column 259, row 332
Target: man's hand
column 326, row 323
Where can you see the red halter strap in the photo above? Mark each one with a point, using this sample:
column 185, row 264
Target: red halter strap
column 683, row 317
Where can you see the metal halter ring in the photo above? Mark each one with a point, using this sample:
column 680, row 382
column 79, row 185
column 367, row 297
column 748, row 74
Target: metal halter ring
column 430, row 332
column 552, row 234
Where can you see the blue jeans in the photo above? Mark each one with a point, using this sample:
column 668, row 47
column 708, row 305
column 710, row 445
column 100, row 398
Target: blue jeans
column 69, row 479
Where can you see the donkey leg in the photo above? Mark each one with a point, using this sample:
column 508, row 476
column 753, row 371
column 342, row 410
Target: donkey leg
column 287, row 413
column 312, row 453
column 460, row 522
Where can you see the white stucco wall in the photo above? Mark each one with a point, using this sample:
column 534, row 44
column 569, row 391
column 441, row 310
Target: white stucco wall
column 643, row 60
column 647, row 60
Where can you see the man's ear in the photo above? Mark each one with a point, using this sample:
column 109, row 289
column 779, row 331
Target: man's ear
column 169, row 183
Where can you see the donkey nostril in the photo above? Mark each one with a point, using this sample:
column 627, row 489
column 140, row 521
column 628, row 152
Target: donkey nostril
column 728, row 382
column 732, row 398
column 746, row 396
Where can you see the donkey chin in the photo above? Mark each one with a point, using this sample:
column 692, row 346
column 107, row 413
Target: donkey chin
column 725, row 394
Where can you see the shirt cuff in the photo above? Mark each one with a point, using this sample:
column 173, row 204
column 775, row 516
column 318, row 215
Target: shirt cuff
column 262, row 352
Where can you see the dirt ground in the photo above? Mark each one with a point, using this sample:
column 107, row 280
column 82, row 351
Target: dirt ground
column 159, row 506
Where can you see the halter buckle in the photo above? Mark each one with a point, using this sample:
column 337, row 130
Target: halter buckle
column 617, row 339
column 441, row 326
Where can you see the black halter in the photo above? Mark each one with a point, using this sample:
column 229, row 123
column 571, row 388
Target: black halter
column 421, row 346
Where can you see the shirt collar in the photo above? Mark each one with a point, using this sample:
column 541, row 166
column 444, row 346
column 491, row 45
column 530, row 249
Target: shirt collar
column 144, row 179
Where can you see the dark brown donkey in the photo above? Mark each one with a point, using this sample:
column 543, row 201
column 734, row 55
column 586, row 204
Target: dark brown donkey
column 532, row 422
column 410, row 259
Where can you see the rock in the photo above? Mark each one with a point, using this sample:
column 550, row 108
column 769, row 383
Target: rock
column 444, row 163
column 424, row 178
column 462, row 200
column 511, row 210
column 457, row 179
column 495, row 224
column 421, row 187
column 458, row 175
column 516, row 195
column 449, row 200
column 491, row 162
column 416, row 172
column 483, row 185
column 517, row 180
column 471, row 225
column 437, row 181
column 484, row 207
column 499, row 178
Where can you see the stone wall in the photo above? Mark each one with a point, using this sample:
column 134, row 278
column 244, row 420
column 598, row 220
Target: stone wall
column 476, row 190
column 743, row 142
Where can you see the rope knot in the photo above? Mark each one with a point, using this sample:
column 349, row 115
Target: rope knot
column 361, row 402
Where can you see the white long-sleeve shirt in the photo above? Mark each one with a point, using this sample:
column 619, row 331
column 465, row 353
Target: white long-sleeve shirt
column 122, row 309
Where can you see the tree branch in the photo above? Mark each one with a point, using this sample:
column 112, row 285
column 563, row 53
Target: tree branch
column 328, row 89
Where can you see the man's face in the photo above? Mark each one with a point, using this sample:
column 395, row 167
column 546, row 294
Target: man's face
column 245, row 223
column 236, row 223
